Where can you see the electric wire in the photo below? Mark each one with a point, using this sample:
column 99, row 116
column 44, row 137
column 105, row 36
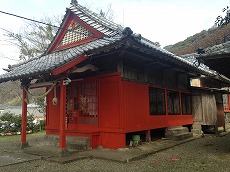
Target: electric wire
column 48, row 24
column 1, row 56
column 25, row 18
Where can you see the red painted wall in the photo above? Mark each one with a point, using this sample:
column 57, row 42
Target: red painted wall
column 112, row 140
column 135, row 106
column 109, row 110
column 136, row 110
column 52, row 111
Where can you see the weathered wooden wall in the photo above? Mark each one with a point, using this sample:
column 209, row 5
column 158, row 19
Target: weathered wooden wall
column 204, row 107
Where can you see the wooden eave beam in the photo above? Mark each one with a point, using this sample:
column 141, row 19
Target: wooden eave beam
column 40, row 85
column 69, row 65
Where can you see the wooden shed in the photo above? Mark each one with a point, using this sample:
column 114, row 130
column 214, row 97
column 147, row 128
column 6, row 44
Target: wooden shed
column 217, row 58
column 208, row 109
column 105, row 82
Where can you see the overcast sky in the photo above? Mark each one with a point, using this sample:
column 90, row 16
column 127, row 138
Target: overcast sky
column 163, row 21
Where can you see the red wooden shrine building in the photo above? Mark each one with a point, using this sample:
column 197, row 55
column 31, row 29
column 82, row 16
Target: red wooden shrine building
column 105, row 82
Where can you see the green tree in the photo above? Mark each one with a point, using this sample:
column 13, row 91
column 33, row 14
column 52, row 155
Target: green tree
column 41, row 105
column 6, row 117
column 13, row 122
column 30, row 125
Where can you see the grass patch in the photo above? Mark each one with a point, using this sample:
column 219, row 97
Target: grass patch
column 18, row 137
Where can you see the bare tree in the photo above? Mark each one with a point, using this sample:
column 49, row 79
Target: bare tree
column 223, row 20
column 33, row 38
column 107, row 13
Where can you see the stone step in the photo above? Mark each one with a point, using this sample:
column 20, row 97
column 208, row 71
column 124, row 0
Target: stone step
column 175, row 130
column 178, row 133
column 182, row 136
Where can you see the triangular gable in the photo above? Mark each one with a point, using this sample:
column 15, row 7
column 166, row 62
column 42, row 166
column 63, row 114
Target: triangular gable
column 73, row 32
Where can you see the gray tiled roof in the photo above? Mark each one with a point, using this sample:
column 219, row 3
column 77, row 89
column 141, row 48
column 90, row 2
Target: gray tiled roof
column 220, row 49
column 192, row 58
column 113, row 36
column 45, row 64
column 177, row 59
column 97, row 22
column 217, row 58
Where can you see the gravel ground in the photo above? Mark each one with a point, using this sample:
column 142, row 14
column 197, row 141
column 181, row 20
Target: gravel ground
column 210, row 153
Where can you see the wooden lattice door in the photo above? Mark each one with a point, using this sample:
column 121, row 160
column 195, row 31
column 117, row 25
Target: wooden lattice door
column 82, row 103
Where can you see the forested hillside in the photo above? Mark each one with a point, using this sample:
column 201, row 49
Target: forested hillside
column 11, row 92
column 204, row 39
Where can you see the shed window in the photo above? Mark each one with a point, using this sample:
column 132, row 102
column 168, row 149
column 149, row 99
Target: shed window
column 157, row 101
column 186, row 103
column 225, row 99
column 173, row 102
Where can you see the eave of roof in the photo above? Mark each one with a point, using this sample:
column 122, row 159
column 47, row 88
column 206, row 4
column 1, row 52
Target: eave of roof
column 218, row 58
column 46, row 64
column 216, row 51
column 176, row 59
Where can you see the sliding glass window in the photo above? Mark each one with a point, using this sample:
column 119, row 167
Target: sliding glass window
column 157, row 101
column 173, row 102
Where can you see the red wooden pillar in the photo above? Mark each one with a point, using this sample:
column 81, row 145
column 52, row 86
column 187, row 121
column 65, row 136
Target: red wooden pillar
column 62, row 136
column 24, row 119
column 228, row 101
column 180, row 101
column 148, row 136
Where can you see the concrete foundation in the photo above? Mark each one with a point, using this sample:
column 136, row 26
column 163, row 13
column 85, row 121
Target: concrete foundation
column 73, row 142
column 196, row 128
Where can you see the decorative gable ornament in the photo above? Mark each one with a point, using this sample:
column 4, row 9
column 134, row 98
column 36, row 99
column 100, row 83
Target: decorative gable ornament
column 75, row 33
